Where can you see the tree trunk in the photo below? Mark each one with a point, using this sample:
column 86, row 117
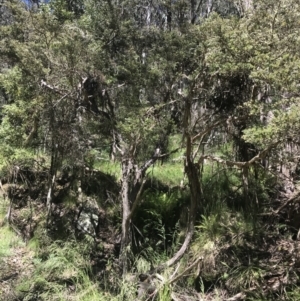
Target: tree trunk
column 192, row 171
column 125, row 242
column 133, row 180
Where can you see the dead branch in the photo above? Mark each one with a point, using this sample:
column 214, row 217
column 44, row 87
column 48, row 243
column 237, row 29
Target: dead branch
column 186, row 270
column 261, row 155
column 295, row 197
column 237, row 297
column 208, row 129
column 137, row 200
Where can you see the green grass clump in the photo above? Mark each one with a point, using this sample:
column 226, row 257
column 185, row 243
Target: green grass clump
column 170, row 173
column 64, row 274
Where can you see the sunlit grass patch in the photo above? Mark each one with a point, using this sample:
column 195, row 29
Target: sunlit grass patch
column 8, row 240
column 170, row 173
column 109, row 167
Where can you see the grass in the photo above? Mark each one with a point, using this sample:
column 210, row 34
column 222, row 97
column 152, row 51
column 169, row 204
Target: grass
column 294, row 294
column 169, row 173
column 8, row 240
column 4, row 203
column 227, row 228
column 63, row 275
column 244, row 277
column 222, row 239
column 164, row 294
column 109, row 167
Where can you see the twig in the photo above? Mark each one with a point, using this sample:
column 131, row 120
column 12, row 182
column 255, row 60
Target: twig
column 239, row 296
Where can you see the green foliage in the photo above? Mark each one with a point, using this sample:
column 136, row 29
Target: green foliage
column 156, row 227
column 283, row 124
column 159, row 204
column 226, row 226
column 227, row 186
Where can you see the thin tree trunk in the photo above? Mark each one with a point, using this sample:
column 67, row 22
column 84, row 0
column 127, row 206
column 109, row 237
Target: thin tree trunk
column 133, row 180
column 49, row 196
column 192, row 171
column 125, row 242
column 194, row 183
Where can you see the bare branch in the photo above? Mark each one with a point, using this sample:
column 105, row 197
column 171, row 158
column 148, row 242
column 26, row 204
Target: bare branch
column 261, row 155
column 208, row 129
column 151, row 161
column 137, row 200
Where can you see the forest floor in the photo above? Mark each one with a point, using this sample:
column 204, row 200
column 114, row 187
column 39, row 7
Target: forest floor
column 243, row 258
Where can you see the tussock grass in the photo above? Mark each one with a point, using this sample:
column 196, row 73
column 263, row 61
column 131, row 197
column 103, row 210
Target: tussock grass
column 64, row 274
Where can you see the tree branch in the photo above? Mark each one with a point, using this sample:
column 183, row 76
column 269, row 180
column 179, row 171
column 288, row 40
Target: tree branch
column 185, row 271
column 261, row 155
column 208, row 129
column 151, row 161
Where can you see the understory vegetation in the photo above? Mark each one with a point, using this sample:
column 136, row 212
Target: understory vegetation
column 149, row 150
